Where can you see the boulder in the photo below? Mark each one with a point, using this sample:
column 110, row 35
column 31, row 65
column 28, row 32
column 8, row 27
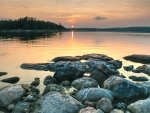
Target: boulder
column 143, row 69
column 70, row 74
column 36, row 66
column 107, row 70
column 121, row 106
column 53, row 87
column 34, row 90
column 3, row 73
column 10, row 94
column 124, row 89
column 55, row 102
column 93, row 94
column 31, row 98
column 50, row 80
column 67, row 58
column 12, row 80
column 66, row 64
column 88, row 110
column 141, row 78
column 90, row 104
column 84, row 82
column 138, row 58
column 101, row 57
column 116, row 63
column 116, row 111
column 21, row 107
column 141, row 106
column 128, row 68
column 145, row 84
column 94, row 64
column 98, row 76
column 105, row 105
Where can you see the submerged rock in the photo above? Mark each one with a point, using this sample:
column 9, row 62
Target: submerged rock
column 138, row 58
column 124, row 89
column 143, row 69
column 57, row 103
column 3, row 73
column 67, row 58
column 141, row 78
column 128, row 68
column 93, row 94
column 36, row 66
column 10, row 94
column 141, row 106
column 84, row 82
column 12, row 80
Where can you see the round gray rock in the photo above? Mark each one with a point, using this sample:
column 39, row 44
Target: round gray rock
column 93, row 94
column 88, row 110
column 55, row 102
column 84, row 82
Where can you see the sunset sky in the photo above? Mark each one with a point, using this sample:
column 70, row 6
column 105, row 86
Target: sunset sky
column 81, row 13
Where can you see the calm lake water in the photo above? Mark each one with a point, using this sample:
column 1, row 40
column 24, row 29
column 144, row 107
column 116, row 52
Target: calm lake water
column 15, row 51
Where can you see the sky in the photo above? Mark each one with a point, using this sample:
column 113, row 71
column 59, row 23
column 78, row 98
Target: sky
column 81, row 13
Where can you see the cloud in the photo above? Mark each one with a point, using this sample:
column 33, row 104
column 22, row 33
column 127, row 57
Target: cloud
column 99, row 18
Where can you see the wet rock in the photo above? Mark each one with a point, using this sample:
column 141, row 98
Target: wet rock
column 53, row 87
column 145, row 84
column 66, row 64
column 10, row 94
column 128, row 68
column 57, row 103
column 94, row 64
column 36, row 82
column 3, row 73
column 116, row 111
column 124, row 89
column 121, row 106
column 100, row 111
column 26, row 87
column 21, row 107
column 36, row 66
column 98, row 76
column 84, row 82
column 12, row 80
column 93, row 94
column 143, row 69
column 88, row 110
column 107, row 70
column 101, row 57
column 141, row 78
column 69, row 74
column 141, row 106
column 90, row 104
column 65, row 83
column 67, row 58
column 50, row 80
column 138, row 58
column 116, row 63
column 105, row 105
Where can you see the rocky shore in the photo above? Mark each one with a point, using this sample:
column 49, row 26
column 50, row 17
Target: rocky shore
column 70, row 90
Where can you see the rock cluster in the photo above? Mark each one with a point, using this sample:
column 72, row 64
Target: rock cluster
column 70, row 91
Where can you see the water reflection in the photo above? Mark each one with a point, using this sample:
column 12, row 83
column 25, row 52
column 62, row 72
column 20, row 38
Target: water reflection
column 25, row 36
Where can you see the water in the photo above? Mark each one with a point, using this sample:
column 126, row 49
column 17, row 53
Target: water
column 43, row 48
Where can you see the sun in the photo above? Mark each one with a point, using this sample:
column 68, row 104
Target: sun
column 72, row 26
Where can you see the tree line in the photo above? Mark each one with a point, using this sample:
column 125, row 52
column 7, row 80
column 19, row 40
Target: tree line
column 28, row 23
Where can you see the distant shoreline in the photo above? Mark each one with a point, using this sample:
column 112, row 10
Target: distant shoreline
column 126, row 29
